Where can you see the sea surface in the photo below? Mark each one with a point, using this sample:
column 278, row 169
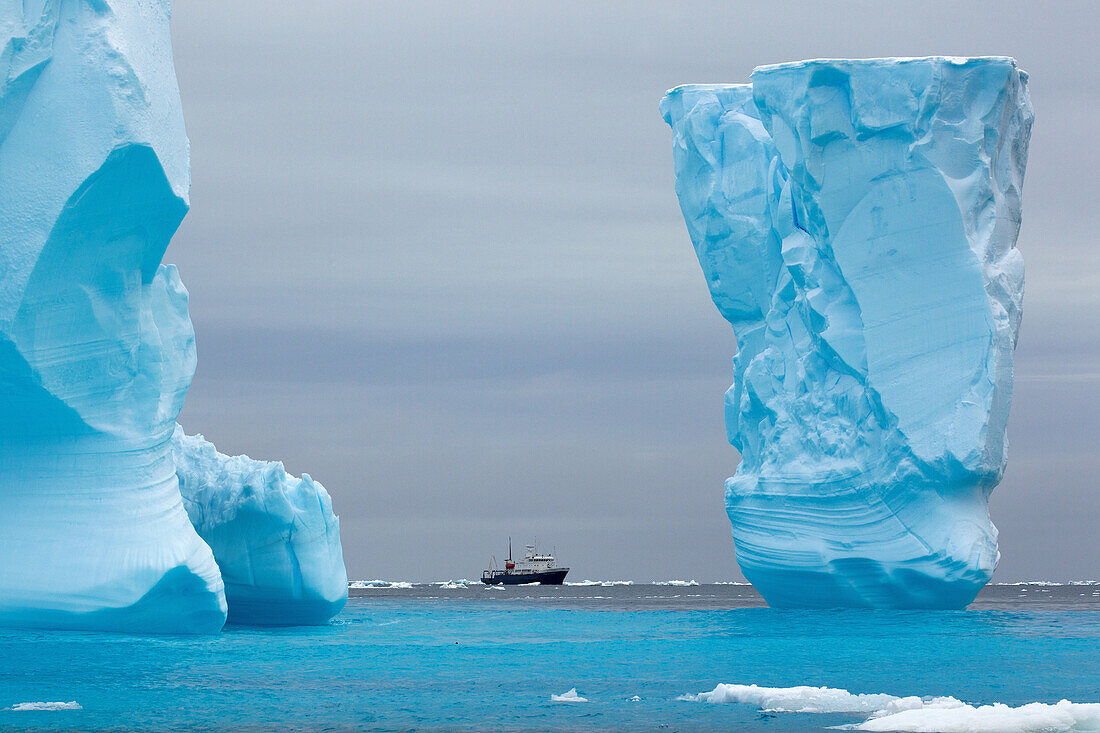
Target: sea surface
column 670, row 657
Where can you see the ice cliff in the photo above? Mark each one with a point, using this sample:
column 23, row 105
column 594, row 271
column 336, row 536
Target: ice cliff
column 856, row 223
column 274, row 536
column 96, row 345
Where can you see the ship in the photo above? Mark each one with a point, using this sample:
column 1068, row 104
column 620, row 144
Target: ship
column 533, row 568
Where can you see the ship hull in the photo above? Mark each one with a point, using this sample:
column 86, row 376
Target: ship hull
column 549, row 577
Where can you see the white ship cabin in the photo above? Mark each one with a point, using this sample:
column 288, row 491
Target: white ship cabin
column 533, row 562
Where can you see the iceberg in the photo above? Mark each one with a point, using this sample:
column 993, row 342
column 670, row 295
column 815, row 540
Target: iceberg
column 856, row 223
column 274, row 536
column 97, row 352
column 96, row 346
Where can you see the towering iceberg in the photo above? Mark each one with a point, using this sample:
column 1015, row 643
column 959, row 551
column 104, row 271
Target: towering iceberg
column 274, row 536
column 856, row 223
column 97, row 352
column 96, row 347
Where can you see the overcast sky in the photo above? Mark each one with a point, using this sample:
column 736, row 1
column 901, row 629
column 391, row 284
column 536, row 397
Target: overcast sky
column 436, row 260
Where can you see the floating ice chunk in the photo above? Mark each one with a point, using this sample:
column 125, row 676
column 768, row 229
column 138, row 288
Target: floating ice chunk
column 794, row 699
column 570, row 696
column 856, row 223
column 274, row 536
column 27, row 706
column 382, row 584
column 454, row 584
column 951, row 716
column 917, row 714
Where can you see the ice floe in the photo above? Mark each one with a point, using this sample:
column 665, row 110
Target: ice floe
column 29, row 706
column 911, row 714
column 948, row 715
column 570, row 696
column 794, row 699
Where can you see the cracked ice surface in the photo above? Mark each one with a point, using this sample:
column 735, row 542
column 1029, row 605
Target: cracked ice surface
column 274, row 536
column 856, row 223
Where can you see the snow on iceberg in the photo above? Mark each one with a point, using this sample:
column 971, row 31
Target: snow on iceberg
column 96, row 346
column 856, row 223
column 274, row 536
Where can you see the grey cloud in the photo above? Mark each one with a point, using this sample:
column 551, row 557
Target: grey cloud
column 436, row 260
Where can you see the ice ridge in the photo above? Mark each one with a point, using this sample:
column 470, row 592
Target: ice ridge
column 856, row 224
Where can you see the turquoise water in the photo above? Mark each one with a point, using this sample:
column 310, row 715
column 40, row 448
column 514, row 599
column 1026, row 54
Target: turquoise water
column 472, row 657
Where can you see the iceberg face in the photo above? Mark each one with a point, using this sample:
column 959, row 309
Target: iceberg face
column 96, row 347
column 97, row 352
column 856, row 223
column 274, row 536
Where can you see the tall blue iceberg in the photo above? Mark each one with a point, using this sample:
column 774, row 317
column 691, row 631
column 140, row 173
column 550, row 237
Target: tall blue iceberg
column 856, row 223
column 96, row 346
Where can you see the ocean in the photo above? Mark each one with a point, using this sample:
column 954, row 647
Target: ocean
column 670, row 657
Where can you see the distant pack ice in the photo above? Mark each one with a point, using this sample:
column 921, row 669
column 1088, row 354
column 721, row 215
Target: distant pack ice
column 96, row 346
column 856, row 223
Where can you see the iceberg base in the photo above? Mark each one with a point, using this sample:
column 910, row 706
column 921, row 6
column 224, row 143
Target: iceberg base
column 852, row 549
column 180, row 603
column 252, row 607
column 95, row 537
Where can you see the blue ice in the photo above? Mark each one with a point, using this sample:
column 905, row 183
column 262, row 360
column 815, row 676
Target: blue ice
column 274, row 535
column 856, row 224
column 96, row 346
